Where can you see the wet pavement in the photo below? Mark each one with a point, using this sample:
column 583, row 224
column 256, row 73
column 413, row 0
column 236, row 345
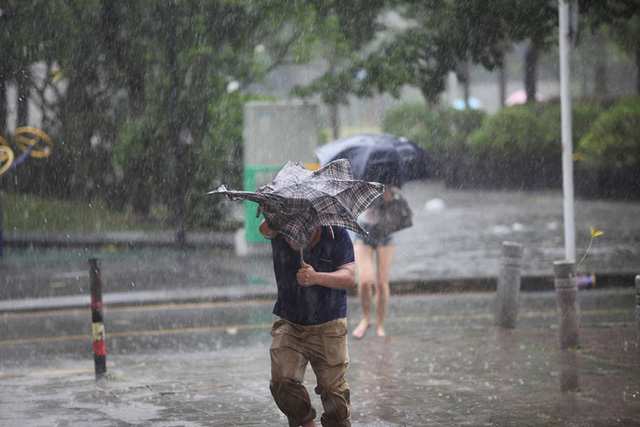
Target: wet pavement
column 443, row 363
column 456, row 236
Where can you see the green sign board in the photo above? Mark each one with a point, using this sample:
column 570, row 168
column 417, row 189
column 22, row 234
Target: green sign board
column 251, row 219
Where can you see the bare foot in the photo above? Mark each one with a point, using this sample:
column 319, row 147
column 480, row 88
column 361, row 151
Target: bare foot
column 360, row 331
column 380, row 332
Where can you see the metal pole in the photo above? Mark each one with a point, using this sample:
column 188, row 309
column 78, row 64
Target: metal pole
column 567, row 144
column 97, row 323
column 506, row 308
column 638, row 314
column 566, row 284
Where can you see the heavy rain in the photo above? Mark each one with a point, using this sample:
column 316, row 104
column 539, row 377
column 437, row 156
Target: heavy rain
column 131, row 296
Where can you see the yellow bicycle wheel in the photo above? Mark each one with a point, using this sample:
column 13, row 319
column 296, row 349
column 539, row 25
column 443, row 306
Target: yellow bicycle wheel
column 6, row 157
column 27, row 136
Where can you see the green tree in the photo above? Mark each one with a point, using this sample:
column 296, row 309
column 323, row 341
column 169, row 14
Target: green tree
column 441, row 37
column 110, row 119
column 535, row 22
column 58, row 34
column 118, row 20
column 338, row 30
column 27, row 33
column 620, row 21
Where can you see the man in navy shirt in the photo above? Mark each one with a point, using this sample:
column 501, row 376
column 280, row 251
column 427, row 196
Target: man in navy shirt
column 312, row 306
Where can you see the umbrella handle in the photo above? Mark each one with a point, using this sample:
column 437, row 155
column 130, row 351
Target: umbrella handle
column 301, row 257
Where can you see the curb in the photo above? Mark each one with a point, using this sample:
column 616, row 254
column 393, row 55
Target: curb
column 126, row 299
column 231, row 293
column 39, row 239
column 489, row 284
column 226, row 240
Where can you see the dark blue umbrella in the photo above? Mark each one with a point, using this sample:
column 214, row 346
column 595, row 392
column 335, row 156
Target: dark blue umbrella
column 384, row 158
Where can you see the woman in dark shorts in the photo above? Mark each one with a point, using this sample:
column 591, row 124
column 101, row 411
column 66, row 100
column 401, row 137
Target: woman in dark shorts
column 373, row 254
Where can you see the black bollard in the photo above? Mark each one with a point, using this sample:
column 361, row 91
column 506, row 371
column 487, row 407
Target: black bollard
column 99, row 344
column 638, row 314
column 566, row 284
column 508, row 288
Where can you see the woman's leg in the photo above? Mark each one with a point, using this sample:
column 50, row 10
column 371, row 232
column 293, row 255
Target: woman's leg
column 364, row 265
column 385, row 257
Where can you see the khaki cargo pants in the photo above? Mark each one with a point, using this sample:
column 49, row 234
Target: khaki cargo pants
column 325, row 347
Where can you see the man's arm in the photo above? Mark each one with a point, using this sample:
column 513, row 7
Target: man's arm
column 344, row 277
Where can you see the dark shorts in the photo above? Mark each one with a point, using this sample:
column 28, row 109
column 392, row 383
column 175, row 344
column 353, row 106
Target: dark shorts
column 374, row 240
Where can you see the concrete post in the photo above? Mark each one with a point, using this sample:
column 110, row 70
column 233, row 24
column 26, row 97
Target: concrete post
column 506, row 303
column 638, row 314
column 99, row 345
column 566, row 284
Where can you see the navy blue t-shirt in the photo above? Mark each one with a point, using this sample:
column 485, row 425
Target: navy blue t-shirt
column 314, row 304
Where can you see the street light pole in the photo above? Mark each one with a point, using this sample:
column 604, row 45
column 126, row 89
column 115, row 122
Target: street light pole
column 567, row 143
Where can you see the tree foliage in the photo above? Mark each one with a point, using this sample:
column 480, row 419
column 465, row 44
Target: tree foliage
column 341, row 30
column 107, row 63
column 613, row 139
column 441, row 37
column 620, row 21
column 99, row 72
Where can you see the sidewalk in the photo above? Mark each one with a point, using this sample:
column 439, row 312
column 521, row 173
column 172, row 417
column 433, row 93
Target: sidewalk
column 454, row 246
column 443, row 364
column 147, row 270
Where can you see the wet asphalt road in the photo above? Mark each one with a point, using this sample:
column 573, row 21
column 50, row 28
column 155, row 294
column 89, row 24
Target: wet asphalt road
column 443, row 363
column 460, row 233
column 34, row 337
column 456, row 234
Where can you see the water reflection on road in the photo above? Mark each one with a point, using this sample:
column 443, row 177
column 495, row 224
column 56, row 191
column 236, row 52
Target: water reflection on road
column 459, row 233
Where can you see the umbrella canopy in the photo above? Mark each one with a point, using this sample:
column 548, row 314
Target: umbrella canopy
column 473, row 103
column 381, row 158
column 519, row 97
column 299, row 200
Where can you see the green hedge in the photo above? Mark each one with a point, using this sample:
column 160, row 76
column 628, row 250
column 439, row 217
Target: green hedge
column 512, row 150
column 613, row 139
column 134, row 170
column 583, row 115
column 442, row 133
column 420, row 124
column 521, row 147
column 515, row 134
